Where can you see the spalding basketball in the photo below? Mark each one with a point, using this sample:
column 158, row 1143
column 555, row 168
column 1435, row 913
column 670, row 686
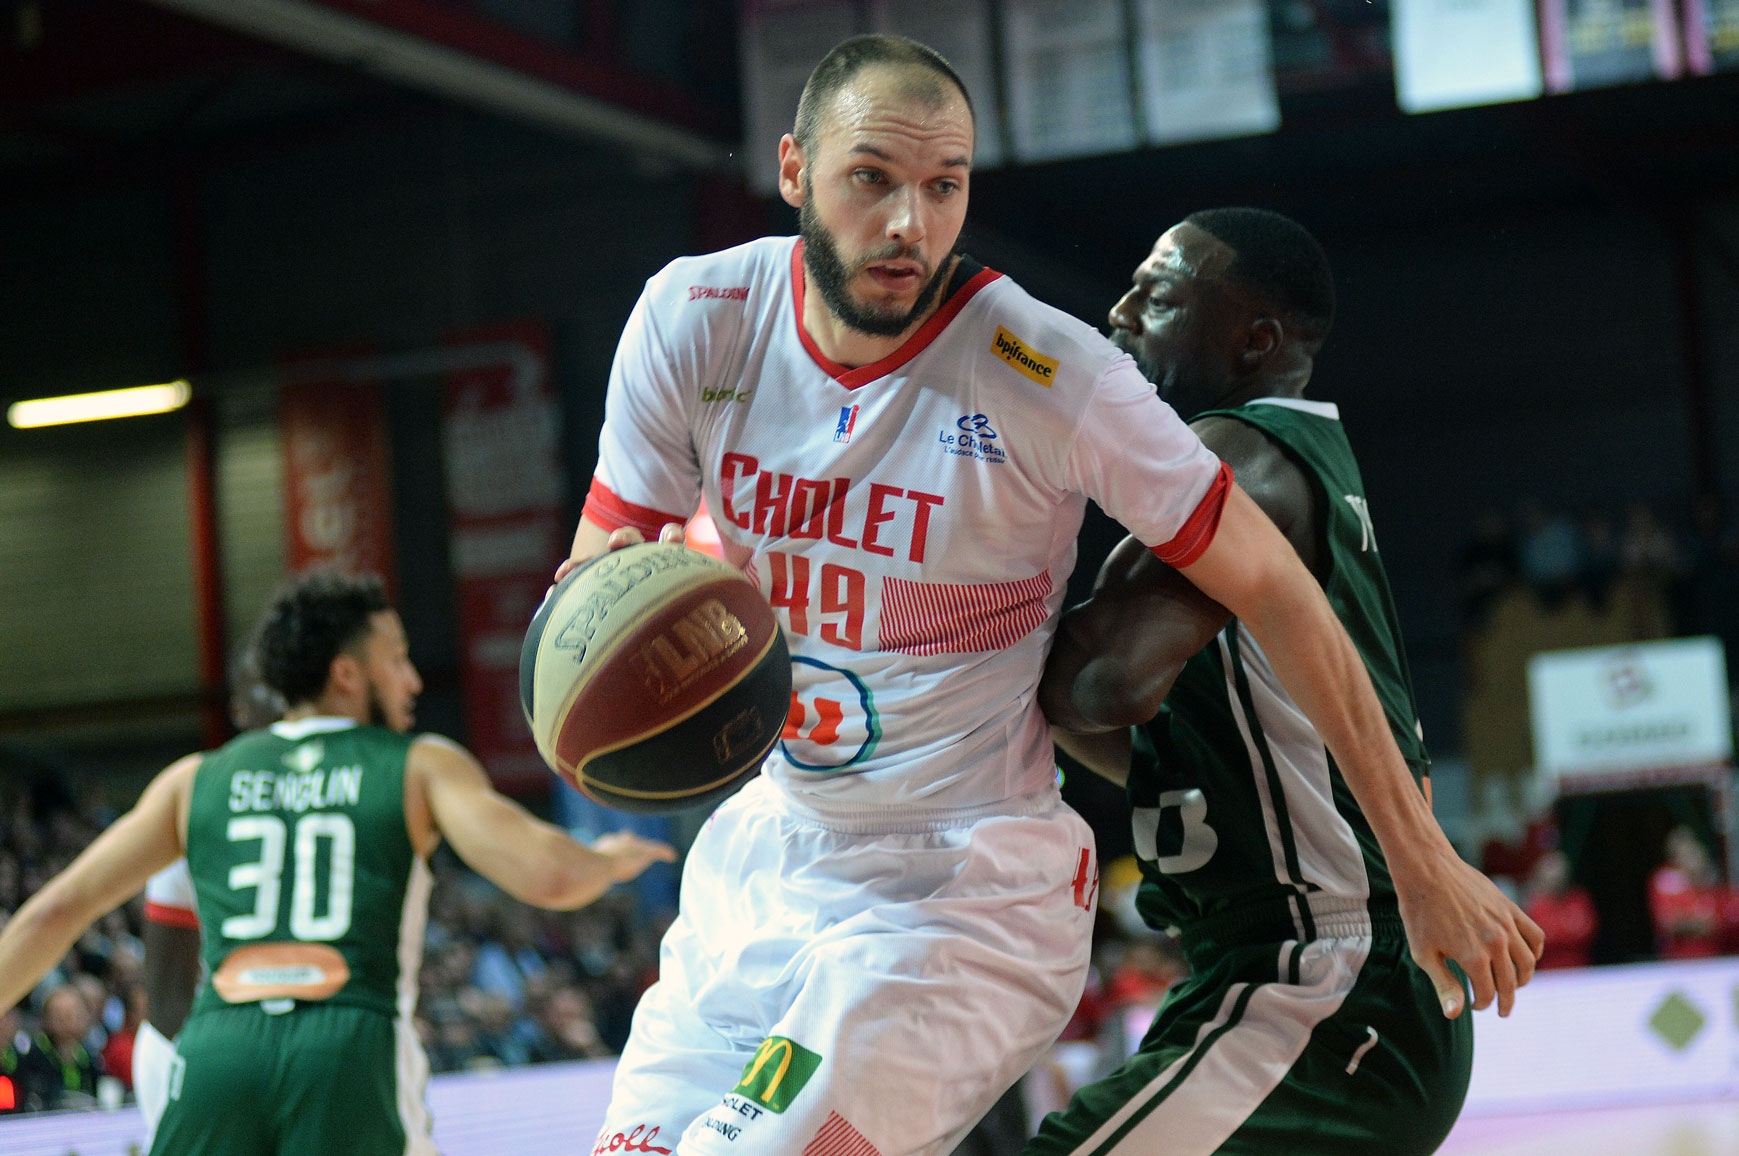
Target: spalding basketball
column 655, row 678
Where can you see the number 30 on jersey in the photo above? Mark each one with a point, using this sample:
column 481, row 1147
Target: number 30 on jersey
column 310, row 920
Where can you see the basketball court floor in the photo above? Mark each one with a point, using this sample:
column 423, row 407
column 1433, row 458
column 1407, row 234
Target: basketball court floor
column 539, row 1112
column 1697, row 1129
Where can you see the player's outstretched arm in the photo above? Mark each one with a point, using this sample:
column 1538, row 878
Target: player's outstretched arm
column 1451, row 911
column 105, row 875
column 533, row 861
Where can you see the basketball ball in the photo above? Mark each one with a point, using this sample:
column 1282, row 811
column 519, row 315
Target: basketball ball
column 655, row 678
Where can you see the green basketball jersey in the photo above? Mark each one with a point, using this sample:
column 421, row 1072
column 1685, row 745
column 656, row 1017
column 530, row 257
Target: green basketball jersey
column 1237, row 803
column 296, row 835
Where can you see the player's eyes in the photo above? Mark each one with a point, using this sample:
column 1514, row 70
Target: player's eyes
column 947, row 188
column 868, row 176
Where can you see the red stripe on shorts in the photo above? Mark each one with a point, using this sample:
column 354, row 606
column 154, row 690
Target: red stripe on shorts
column 604, row 508
column 838, row 1138
column 946, row 618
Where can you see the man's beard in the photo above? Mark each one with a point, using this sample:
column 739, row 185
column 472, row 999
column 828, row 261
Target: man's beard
column 377, row 715
column 822, row 261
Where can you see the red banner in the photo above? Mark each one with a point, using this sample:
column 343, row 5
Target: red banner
column 501, row 435
column 338, row 478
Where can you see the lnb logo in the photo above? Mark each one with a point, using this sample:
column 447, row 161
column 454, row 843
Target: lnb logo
column 847, row 423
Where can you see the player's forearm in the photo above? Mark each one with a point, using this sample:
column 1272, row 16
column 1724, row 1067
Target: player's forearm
column 539, row 864
column 1075, row 695
column 1106, row 754
column 579, row 875
column 1253, row 571
column 37, row 937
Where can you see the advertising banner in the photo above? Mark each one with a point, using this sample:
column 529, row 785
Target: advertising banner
column 1461, row 53
column 1067, row 65
column 1597, row 43
column 338, row 478
column 1613, row 710
column 501, row 441
column 1207, row 69
column 1604, row 1037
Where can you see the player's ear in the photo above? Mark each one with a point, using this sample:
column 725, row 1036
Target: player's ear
column 791, row 162
column 346, row 676
column 1261, row 339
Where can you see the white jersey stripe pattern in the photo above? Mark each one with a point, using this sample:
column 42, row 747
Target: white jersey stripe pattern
column 1270, row 820
column 1329, row 856
column 838, row 1138
column 939, row 618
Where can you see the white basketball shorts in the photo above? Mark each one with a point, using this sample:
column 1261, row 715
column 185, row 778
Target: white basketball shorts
column 153, row 1057
column 835, row 988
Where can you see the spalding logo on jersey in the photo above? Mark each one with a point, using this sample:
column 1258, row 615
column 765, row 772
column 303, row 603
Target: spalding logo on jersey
column 1027, row 362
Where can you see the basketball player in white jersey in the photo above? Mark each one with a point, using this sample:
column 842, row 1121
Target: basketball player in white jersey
column 880, row 933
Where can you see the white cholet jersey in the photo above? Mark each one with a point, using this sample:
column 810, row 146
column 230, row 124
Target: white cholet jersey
column 912, row 522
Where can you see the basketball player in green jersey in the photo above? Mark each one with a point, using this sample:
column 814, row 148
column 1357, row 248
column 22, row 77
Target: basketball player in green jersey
column 1306, row 1027
column 308, row 845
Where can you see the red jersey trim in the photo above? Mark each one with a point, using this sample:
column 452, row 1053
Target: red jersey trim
column 605, row 509
column 172, row 916
column 915, row 344
column 1190, row 542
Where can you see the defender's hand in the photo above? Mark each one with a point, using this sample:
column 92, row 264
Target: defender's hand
column 1452, row 912
column 629, row 854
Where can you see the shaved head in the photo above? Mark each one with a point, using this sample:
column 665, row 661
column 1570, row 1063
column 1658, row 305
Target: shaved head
column 922, row 77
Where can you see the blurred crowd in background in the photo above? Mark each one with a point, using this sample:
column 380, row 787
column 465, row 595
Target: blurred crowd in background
column 1550, row 579
column 1660, row 579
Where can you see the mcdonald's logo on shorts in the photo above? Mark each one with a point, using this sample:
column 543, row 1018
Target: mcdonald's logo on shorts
column 777, row 1073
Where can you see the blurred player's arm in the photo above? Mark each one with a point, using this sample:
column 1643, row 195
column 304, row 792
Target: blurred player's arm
column 449, row 795
column 106, row 874
column 171, row 974
column 171, row 939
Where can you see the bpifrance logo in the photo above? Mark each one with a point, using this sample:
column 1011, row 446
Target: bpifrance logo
column 777, row 1072
column 1029, row 363
column 847, row 423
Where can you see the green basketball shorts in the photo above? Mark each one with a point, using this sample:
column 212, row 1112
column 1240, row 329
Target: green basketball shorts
column 1336, row 1047
column 318, row 1080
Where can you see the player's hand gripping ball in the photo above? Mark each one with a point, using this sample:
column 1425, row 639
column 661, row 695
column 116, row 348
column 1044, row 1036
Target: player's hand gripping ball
column 655, row 678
